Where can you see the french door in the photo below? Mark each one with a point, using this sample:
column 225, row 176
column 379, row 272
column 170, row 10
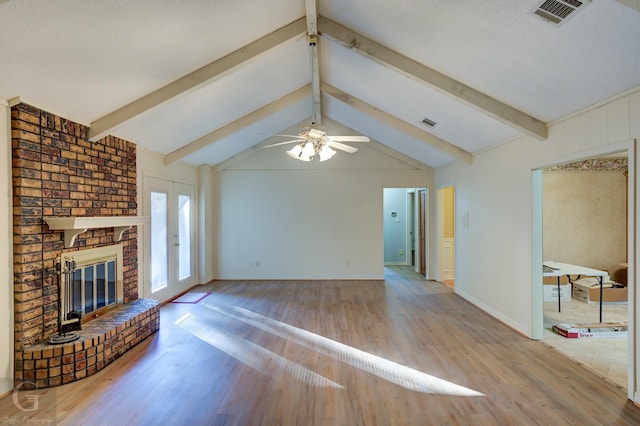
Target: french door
column 170, row 240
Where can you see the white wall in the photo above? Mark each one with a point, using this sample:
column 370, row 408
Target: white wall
column 6, row 250
column 152, row 164
column 286, row 219
column 494, row 252
column 206, row 221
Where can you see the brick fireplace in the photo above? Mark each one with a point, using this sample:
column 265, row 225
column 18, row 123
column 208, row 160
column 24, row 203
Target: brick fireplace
column 57, row 171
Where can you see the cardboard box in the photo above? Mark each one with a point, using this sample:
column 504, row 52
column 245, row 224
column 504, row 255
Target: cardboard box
column 612, row 293
column 551, row 292
column 554, row 280
column 581, row 293
column 605, row 329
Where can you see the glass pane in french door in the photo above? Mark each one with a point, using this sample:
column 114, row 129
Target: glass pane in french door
column 184, row 236
column 160, row 233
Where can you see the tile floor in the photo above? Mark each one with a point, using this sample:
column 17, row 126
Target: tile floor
column 605, row 356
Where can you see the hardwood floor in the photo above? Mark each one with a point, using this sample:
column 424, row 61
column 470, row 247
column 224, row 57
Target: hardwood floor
column 403, row 351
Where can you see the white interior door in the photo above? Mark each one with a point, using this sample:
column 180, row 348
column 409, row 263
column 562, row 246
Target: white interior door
column 170, row 243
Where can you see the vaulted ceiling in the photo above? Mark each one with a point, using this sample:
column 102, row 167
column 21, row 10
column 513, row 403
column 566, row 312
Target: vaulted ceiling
column 201, row 81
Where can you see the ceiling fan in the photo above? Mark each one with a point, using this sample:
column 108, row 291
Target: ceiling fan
column 312, row 142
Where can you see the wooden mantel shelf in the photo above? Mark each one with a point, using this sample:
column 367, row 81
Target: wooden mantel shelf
column 74, row 226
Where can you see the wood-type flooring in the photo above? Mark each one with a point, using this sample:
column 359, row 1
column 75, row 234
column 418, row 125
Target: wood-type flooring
column 402, row 351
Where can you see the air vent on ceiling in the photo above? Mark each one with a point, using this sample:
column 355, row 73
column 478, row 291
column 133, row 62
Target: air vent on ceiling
column 558, row 11
column 428, row 122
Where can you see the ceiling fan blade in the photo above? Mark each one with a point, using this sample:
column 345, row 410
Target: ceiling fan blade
column 342, row 147
column 349, row 138
column 284, row 143
column 278, row 134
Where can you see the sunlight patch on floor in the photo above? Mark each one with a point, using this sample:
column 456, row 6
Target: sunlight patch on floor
column 250, row 354
column 390, row 371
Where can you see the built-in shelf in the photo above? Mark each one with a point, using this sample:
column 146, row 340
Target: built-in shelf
column 74, row 226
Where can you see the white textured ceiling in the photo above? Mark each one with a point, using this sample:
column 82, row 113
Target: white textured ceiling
column 84, row 59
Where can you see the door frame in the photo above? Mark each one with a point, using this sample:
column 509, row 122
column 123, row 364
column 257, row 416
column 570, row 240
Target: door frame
column 537, row 310
column 422, row 222
column 411, row 242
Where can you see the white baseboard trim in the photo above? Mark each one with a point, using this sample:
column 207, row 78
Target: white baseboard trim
column 299, row 278
column 496, row 314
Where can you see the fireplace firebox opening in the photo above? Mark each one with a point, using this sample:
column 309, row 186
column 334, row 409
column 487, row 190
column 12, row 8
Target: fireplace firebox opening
column 90, row 282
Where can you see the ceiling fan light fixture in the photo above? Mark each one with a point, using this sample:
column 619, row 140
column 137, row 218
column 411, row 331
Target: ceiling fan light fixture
column 308, row 150
column 295, row 152
column 326, row 153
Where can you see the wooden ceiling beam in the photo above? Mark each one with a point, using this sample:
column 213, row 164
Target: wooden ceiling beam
column 633, row 4
column 398, row 124
column 387, row 57
column 103, row 125
column 311, row 8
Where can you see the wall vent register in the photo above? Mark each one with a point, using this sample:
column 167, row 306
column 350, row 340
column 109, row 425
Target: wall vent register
column 428, row 122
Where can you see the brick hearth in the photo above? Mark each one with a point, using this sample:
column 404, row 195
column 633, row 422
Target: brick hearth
column 101, row 341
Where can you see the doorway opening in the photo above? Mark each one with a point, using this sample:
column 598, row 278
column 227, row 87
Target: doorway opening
column 582, row 215
column 446, row 235
column 405, row 219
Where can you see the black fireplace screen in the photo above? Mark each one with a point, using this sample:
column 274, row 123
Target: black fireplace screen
column 93, row 287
